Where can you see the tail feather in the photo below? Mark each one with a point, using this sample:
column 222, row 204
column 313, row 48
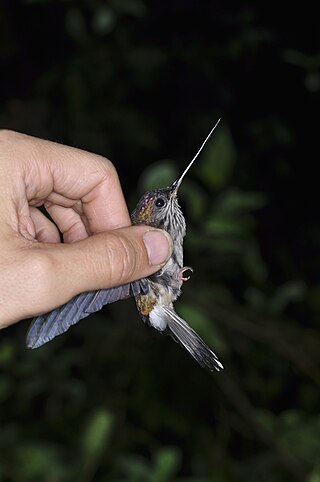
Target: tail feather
column 187, row 337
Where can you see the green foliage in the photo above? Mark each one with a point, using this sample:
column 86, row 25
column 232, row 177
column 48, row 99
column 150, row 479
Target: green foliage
column 294, row 432
column 94, row 440
column 201, row 323
column 35, row 461
column 291, row 292
column 97, row 433
column 142, row 83
column 218, row 159
column 163, row 468
column 158, row 175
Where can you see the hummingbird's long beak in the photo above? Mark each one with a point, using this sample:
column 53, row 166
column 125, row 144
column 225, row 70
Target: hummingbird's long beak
column 175, row 186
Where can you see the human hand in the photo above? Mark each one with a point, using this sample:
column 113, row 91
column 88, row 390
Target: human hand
column 82, row 193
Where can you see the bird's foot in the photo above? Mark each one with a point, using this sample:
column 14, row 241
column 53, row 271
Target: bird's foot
column 183, row 270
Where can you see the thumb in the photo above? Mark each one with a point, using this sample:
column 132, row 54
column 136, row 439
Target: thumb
column 105, row 260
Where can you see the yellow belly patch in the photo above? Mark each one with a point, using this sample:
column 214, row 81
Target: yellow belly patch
column 145, row 304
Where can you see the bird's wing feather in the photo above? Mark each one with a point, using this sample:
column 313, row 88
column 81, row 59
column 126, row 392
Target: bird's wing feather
column 187, row 337
column 46, row 327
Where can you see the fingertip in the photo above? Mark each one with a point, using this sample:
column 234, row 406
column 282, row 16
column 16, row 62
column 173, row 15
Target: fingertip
column 158, row 244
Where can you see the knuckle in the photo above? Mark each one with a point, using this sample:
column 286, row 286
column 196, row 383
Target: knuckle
column 109, row 166
column 41, row 268
column 7, row 136
column 108, row 169
column 106, row 166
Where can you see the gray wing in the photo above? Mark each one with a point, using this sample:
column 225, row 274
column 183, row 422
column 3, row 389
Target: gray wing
column 46, row 327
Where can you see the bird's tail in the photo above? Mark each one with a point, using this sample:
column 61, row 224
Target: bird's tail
column 187, row 337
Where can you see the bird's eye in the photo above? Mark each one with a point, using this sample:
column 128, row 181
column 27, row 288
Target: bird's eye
column 159, row 202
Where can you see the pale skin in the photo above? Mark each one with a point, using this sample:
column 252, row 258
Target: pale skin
column 82, row 194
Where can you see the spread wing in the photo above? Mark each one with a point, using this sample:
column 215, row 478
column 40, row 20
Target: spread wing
column 46, row 327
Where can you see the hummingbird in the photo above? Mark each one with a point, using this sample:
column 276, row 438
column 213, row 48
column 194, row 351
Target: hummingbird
column 154, row 295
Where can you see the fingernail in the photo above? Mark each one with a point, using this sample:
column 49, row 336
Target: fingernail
column 159, row 246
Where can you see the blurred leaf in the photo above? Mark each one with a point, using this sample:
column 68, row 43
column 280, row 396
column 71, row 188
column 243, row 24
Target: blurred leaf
column 300, row 434
column 136, row 469
column 103, row 20
column 135, row 8
column 166, row 464
column 220, row 225
column 195, row 200
column 196, row 479
column 234, row 201
column 294, row 432
column 35, row 462
column 312, row 82
column 315, row 476
column 290, row 292
column 313, row 297
column 200, row 322
column 218, row 159
column 146, row 62
column 75, row 23
column 7, row 351
column 5, row 388
column 300, row 59
column 255, row 298
column 97, row 433
column 229, row 215
column 157, row 175
column 253, row 263
column 266, row 419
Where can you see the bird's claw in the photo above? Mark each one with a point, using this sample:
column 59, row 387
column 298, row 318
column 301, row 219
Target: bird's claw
column 182, row 270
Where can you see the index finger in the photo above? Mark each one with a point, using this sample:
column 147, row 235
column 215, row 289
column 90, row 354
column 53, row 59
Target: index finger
column 53, row 171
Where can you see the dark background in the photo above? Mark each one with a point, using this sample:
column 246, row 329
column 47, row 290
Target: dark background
column 143, row 83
